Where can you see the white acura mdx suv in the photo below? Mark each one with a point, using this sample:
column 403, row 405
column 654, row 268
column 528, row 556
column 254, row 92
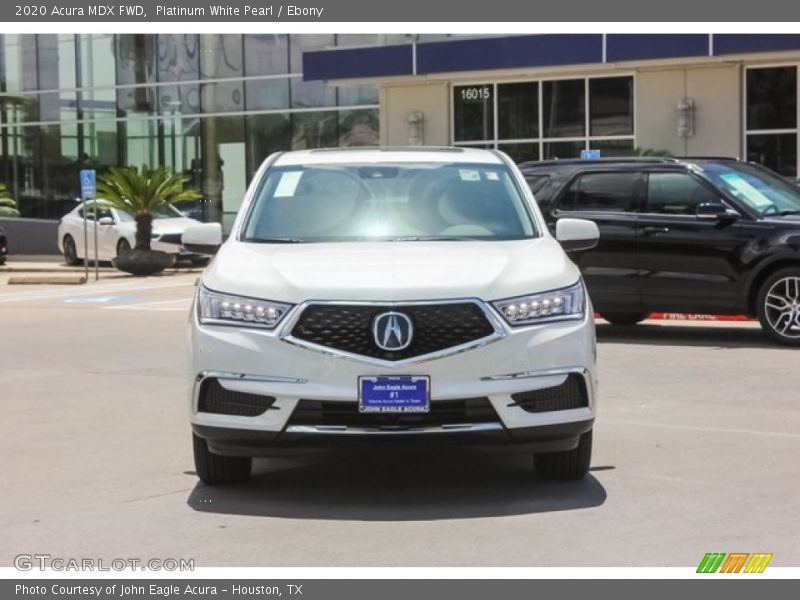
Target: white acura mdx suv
column 391, row 295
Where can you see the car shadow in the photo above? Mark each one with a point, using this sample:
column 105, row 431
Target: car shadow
column 685, row 335
column 365, row 487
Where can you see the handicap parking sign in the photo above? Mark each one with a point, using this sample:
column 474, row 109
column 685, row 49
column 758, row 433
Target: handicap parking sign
column 88, row 187
column 590, row 154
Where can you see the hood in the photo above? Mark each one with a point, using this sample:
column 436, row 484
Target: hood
column 390, row 271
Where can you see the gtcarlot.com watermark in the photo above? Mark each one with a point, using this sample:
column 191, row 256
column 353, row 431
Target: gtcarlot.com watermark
column 43, row 562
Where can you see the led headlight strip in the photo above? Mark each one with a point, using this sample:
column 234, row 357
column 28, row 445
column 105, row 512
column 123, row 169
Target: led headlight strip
column 556, row 305
column 226, row 309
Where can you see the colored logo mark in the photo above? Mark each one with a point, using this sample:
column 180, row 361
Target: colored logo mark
column 736, row 562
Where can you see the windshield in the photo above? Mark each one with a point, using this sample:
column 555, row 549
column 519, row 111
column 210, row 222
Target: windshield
column 388, row 202
column 162, row 212
column 760, row 189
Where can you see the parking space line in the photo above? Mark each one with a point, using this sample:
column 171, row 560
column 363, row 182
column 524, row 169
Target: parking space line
column 177, row 304
column 779, row 434
column 89, row 291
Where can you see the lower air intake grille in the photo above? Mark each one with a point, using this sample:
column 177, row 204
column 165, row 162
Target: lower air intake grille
column 216, row 399
column 443, row 412
column 570, row 394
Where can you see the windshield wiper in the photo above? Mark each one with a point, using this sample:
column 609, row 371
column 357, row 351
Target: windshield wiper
column 789, row 212
column 437, row 238
column 278, row 240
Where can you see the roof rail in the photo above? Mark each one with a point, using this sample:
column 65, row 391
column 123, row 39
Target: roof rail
column 391, row 149
column 618, row 159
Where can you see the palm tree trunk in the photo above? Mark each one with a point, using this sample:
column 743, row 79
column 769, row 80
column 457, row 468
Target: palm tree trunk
column 144, row 229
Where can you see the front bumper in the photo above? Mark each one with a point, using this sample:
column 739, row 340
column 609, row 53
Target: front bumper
column 260, row 363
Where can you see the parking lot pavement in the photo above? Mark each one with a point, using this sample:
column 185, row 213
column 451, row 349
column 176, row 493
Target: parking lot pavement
column 696, row 449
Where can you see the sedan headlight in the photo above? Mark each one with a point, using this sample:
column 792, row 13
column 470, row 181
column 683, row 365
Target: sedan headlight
column 225, row 309
column 557, row 305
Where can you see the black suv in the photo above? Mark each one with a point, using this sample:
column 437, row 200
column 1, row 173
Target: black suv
column 699, row 235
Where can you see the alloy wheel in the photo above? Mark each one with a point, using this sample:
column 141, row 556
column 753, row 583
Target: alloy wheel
column 782, row 307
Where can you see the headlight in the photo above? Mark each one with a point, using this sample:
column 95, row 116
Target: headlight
column 225, row 309
column 558, row 305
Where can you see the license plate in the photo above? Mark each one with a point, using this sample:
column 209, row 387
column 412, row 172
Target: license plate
column 394, row 394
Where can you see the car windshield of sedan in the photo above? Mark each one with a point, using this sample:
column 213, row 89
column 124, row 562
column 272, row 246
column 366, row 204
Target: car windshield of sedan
column 763, row 191
column 388, row 202
column 162, row 212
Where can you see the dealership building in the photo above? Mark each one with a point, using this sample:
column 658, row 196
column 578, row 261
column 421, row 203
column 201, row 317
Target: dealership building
column 213, row 106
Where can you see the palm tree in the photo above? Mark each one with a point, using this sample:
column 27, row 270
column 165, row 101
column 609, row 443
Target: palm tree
column 141, row 194
column 8, row 208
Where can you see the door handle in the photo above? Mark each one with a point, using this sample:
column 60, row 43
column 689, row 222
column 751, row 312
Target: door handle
column 652, row 230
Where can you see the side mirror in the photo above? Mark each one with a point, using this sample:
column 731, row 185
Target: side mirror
column 716, row 211
column 202, row 239
column 105, row 221
column 577, row 234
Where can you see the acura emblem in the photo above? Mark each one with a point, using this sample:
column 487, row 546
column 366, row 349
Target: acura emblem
column 392, row 331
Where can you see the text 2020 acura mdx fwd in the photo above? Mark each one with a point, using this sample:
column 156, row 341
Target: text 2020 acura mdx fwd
column 400, row 295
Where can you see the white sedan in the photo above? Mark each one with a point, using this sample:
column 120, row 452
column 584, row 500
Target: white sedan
column 116, row 233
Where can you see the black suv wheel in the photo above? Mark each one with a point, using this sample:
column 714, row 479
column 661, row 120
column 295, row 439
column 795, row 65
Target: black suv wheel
column 778, row 306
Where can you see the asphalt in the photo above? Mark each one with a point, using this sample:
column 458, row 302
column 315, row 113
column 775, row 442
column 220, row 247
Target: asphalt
column 696, row 448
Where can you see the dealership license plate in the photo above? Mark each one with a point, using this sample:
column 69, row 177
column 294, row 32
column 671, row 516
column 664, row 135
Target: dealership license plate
column 394, row 394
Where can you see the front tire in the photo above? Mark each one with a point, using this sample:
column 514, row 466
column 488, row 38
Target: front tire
column 214, row 469
column 624, row 319
column 567, row 465
column 778, row 306
column 70, row 251
column 123, row 247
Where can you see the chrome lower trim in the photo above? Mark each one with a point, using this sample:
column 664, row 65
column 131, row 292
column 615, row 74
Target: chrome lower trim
column 345, row 430
column 246, row 377
column 542, row 373
column 227, row 375
column 496, row 322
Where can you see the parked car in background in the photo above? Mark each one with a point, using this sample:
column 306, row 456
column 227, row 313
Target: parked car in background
column 696, row 235
column 381, row 296
column 3, row 246
column 116, row 233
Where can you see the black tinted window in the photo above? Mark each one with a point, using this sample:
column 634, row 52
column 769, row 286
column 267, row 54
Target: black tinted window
column 602, row 191
column 676, row 194
column 537, row 182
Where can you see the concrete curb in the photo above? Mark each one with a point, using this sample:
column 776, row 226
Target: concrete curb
column 46, row 280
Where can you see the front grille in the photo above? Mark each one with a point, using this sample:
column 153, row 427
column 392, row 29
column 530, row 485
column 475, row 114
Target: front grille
column 349, row 327
column 216, row 399
column 570, row 394
column 442, row 412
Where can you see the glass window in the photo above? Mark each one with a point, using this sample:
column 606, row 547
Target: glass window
column 267, row 94
column 227, row 96
column 221, row 55
column 308, row 94
column 314, row 129
column 98, row 67
column 266, row 54
column 473, row 112
column 358, row 127
column 353, row 95
column 564, row 108
column 521, row 152
column 778, row 152
column 563, row 149
column 537, row 182
column 266, row 134
column 178, row 57
column 136, row 58
column 607, row 192
column 179, row 99
column 612, row 148
column 518, row 110
column 756, row 187
column 772, row 98
column 611, row 106
column 677, row 194
column 384, row 202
